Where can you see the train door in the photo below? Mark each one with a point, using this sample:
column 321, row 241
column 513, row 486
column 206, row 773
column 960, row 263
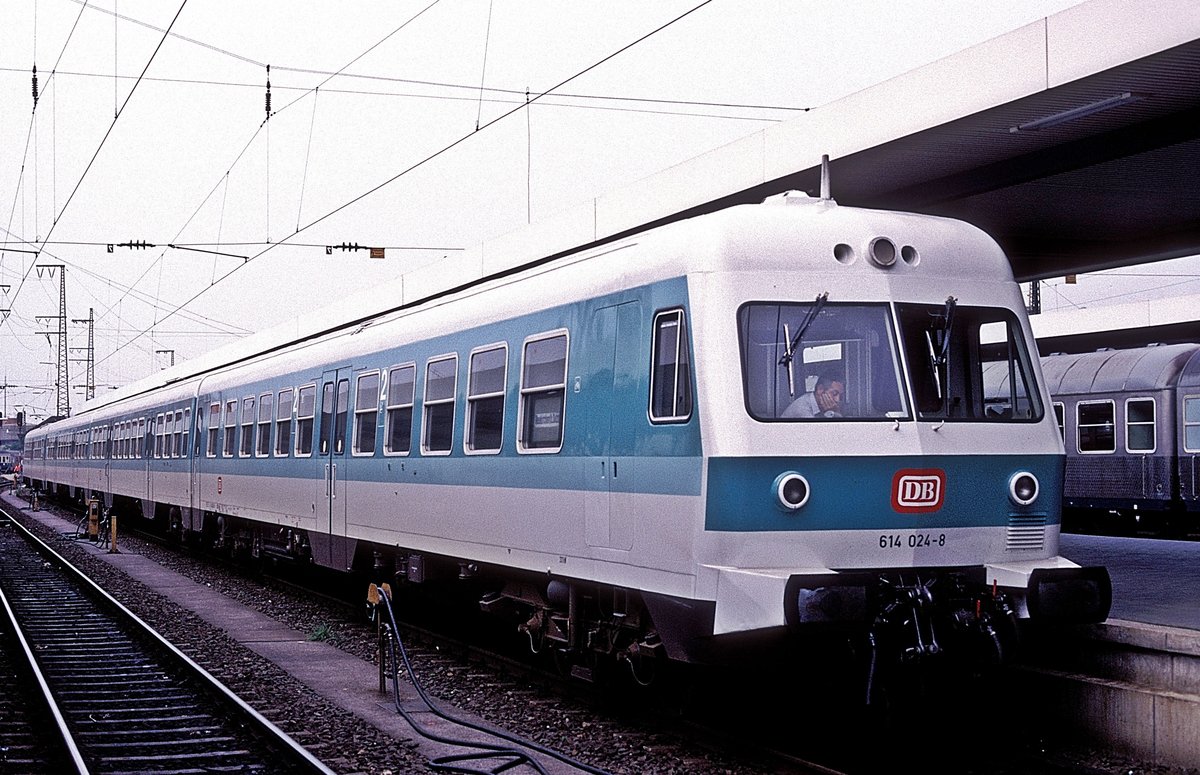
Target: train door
column 333, row 398
column 614, row 409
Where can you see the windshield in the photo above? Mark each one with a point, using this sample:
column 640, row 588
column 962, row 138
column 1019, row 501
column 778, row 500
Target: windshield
column 820, row 361
column 968, row 363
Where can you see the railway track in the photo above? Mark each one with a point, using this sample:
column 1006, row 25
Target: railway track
column 121, row 698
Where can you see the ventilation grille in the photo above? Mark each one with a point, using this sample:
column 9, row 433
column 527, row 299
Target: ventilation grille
column 1026, row 533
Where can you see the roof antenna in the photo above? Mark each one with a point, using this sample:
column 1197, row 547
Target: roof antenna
column 825, row 177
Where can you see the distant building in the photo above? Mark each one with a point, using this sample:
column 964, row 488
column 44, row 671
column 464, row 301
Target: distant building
column 12, row 440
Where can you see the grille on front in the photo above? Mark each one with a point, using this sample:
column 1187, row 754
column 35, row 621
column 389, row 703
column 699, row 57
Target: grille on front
column 1026, row 533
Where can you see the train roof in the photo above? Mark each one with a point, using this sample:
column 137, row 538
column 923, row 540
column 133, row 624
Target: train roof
column 784, row 233
column 1116, row 371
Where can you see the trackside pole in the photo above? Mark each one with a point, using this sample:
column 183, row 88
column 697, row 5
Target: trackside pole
column 112, row 546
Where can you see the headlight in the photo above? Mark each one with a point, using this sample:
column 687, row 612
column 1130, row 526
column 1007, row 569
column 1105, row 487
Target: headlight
column 1023, row 488
column 791, row 490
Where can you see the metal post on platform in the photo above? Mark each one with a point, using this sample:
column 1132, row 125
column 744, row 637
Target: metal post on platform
column 112, row 546
column 93, row 519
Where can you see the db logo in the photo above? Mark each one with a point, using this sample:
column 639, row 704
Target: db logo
column 918, row 489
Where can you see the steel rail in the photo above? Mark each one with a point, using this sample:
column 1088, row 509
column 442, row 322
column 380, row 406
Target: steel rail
column 300, row 758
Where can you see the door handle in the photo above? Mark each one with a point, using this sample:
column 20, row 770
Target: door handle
column 333, row 480
column 326, row 480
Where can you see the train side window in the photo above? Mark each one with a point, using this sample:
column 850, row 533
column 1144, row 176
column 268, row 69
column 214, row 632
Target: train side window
column 1139, row 425
column 486, row 379
column 178, row 448
column 366, row 413
column 247, row 447
column 1060, row 417
column 441, row 381
column 1095, row 426
column 1191, row 423
column 159, row 427
column 543, row 394
column 214, row 429
column 266, row 412
column 671, row 370
column 283, row 423
column 339, row 425
column 401, row 383
column 141, row 438
column 230, row 428
column 305, row 410
column 326, row 418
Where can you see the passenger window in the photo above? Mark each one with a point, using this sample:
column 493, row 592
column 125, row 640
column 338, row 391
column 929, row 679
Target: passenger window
column 400, row 386
column 1060, row 417
column 266, row 412
column 230, row 429
column 283, row 423
column 366, row 413
column 158, row 436
column 441, row 381
column 670, row 372
column 1191, row 423
column 343, row 405
column 326, row 418
column 305, row 410
column 247, row 448
column 1139, row 425
column 485, row 399
column 543, row 394
column 178, row 448
column 1094, row 424
column 214, row 429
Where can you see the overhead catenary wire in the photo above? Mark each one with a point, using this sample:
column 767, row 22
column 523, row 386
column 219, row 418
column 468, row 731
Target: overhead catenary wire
column 436, row 154
column 104, row 139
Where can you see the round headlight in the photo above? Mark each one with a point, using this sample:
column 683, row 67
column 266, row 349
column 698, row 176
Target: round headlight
column 1023, row 488
column 791, row 490
column 882, row 251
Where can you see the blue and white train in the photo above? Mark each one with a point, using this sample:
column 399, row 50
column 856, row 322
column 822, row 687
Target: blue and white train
column 602, row 442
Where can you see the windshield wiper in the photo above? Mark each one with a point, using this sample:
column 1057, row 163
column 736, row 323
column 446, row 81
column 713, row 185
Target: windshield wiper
column 939, row 353
column 791, row 343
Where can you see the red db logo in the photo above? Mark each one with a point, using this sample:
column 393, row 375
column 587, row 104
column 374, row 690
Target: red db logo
column 918, row 489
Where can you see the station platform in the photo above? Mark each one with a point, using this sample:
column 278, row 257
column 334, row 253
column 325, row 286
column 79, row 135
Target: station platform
column 345, row 680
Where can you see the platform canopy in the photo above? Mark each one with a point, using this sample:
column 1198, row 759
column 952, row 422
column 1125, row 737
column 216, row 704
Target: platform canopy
column 1074, row 141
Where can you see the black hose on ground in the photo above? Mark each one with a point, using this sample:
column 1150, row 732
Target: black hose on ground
column 454, row 763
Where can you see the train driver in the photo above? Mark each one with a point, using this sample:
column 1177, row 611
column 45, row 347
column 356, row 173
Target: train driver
column 825, row 400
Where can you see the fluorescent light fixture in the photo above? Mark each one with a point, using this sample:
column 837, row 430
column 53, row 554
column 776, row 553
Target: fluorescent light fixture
column 1123, row 98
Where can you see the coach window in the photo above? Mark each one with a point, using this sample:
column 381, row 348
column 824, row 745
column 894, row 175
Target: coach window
column 1095, row 426
column 670, row 372
column 339, row 424
column 230, row 428
column 485, row 399
column 326, row 418
column 179, row 448
column 400, row 386
column 159, row 427
column 441, row 380
column 1139, row 425
column 366, row 413
column 283, row 423
column 247, row 447
column 1191, row 423
column 305, row 409
column 1060, row 417
column 141, row 438
column 266, row 409
column 214, row 429
column 543, row 394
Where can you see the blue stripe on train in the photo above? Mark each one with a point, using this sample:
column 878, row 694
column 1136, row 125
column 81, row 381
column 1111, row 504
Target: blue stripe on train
column 857, row 493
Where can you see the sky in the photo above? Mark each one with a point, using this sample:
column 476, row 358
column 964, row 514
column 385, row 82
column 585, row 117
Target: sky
column 397, row 124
